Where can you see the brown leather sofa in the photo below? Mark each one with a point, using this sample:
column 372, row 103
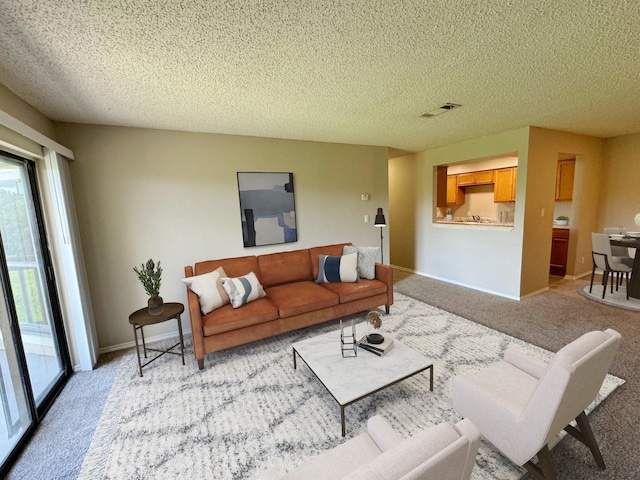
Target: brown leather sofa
column 293, row 298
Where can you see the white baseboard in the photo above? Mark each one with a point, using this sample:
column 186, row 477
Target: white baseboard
column 148, row 340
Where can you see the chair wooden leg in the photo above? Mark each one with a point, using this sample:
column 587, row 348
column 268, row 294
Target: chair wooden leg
column 605, row 279
column 627, row 275
column 544, row 469
column 585, row 435
column 593, row 272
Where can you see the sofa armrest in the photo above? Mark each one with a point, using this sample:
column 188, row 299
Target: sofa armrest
column 531, row 365
column 195, row 317
column 382, row 433
column 384, row 273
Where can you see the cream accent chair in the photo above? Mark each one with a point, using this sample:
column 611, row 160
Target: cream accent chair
column 520, row 403
column 441, row 452
column 604, row 259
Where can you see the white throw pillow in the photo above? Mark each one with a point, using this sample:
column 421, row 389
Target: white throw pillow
column 242, row 290
column 366, row 260
column 209, row 289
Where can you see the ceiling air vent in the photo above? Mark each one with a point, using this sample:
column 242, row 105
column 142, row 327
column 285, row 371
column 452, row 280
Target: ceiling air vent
column 440, row 110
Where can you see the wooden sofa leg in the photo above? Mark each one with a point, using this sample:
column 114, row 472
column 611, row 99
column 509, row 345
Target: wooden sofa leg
column 201, row 364
column 585, row 435
column 544, row 469
column 387, row 308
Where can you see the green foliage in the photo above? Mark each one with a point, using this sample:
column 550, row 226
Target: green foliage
column 28, row 305
column 16, row 232
column 562, row 217
column 150, row 275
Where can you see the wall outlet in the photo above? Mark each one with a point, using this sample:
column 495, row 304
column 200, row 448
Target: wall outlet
column 542, row 212
column 583, row 260
column 366, row 219
column 364, row 197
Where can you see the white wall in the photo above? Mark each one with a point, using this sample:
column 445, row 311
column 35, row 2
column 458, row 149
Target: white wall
column 173, row 196
column 484, row 258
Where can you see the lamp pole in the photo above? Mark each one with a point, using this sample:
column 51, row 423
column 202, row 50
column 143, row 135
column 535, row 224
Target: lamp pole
column 380, row 223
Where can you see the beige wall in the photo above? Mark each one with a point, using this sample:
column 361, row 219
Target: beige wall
column 485, row 258
column 544, row 148
column 620, row 186
column 22, row 111
column 402, row 209
column 173, row 196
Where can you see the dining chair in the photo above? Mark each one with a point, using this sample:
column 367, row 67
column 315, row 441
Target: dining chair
column 617, row 251
column 604, row 259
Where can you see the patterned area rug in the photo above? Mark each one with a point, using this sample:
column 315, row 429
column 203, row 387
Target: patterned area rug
column 616, row 299
column 249, row 409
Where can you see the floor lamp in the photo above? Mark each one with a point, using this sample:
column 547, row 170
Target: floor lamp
column 381, row 223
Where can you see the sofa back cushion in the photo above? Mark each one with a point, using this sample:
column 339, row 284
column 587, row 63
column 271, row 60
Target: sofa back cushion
column 284, row 267
column 233, row 267
column 330, row 250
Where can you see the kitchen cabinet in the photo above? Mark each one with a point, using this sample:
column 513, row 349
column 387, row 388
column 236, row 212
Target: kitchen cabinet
column 505, row 185
column 455, row 194
column 559, row 250
column 448, row 191
column 483, row 177
column 564, row 179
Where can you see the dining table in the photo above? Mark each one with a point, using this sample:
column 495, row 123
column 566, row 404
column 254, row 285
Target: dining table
column 634, row 282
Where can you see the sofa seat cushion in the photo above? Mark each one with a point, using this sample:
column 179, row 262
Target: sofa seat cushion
column 349, row 292
column 227, row 318
column 301, row 297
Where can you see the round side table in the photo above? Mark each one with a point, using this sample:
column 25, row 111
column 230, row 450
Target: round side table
column 142, row 318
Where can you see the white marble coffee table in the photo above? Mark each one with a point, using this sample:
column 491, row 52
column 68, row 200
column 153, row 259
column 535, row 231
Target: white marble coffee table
column 353, row 378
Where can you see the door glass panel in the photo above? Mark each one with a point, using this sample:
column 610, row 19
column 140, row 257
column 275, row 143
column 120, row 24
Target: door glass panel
column 27, row 275
column 15, row 416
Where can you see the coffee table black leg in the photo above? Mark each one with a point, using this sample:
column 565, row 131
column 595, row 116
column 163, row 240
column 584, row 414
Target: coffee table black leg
column 431, row 378
column 294, row 359
column 342, row 419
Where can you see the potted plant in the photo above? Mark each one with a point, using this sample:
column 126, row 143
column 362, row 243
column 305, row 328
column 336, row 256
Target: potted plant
column 150, row 275
column 562, row 220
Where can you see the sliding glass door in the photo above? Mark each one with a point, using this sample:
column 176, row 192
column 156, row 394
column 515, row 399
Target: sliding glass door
column 34, row 360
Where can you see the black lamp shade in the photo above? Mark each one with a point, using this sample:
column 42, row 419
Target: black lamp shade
column 380, row 221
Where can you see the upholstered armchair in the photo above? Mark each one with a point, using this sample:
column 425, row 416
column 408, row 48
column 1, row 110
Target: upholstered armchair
column 442, row 452
column 520, row 403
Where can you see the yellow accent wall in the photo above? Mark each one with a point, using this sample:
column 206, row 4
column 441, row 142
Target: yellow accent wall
column 402, row 209
column 620, row 185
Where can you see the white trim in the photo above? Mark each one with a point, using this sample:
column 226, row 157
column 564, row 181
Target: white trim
column 69, row 267
column 21, row 152
column 32, row 134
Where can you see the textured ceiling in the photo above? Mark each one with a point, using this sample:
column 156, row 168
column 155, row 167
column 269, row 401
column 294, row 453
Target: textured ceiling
column 349, row 71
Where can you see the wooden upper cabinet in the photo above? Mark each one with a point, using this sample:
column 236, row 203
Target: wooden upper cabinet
column 448, row 191
column 505, row 185
column 455, row 195
column 482, row 177
column 564, row 179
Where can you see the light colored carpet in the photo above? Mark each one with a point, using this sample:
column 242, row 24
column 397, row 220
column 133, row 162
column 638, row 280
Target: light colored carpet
column 249, row 409
column 616, row 299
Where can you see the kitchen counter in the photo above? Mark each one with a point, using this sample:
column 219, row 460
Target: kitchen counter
column 474, row 224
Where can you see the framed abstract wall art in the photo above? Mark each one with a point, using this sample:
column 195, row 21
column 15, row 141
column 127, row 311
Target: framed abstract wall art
column 267, row 208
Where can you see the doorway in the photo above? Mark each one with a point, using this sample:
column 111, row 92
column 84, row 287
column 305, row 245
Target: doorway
column 34, row 357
